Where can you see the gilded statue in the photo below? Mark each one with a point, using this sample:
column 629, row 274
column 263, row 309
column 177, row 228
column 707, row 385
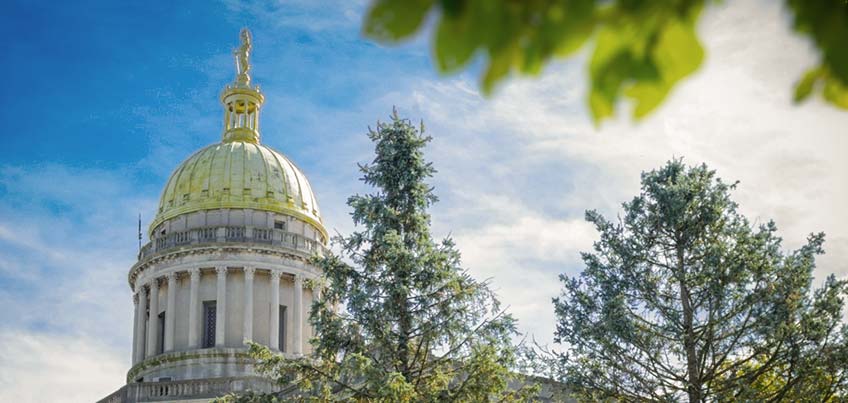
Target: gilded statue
column 242, row 54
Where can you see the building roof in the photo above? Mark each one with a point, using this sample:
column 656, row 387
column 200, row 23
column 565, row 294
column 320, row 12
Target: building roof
column 238, row 174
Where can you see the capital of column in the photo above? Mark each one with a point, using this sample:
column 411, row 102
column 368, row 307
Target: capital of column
column 276, row 274
column 154, row 283
column 171, row 277
column 298, row 280
column 248, row 272
column 135, row 298
column 194, row 273
column 221, row 270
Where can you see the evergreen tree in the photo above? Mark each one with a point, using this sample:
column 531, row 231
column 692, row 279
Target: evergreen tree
column 398, row 318
column 684, row 299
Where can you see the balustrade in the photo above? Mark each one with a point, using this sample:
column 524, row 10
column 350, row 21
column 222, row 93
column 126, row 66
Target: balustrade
column 273, row 237
column 195, row 388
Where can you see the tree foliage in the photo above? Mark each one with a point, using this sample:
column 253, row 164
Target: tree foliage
column 641, row 49
column 398, row 318
column 684, row 298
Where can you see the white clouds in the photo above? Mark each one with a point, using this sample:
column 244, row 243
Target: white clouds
column 517, row 171
column 305, row 15
column 66, row 241
column 56, row 368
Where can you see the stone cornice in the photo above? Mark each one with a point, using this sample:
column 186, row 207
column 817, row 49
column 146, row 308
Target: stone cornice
column 176, row 254
column 157, row 360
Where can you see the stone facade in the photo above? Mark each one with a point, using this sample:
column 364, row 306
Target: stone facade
column 252, row 271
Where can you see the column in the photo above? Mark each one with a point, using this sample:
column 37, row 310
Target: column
column 153, row 319
column 247, row 333
column 135, row 329
column 221, row 308
column 297, row 340
column 193, row 309
column 316, row 295
column 274, row 340
column 171, row 312
column 139, row 326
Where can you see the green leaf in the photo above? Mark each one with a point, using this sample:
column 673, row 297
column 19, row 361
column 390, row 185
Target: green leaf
column 832, row 89
column 454, row 44
column 805, row 87
column 394, row 20
column 499, row 67
column 677, row 54
column 836, row 92
column 574, row 30
column 612, row 64
column 826, row 23
column 600, row 105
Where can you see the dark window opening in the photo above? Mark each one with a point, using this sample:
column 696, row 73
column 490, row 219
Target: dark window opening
column 160, row 346
column 279, row 225
column 282, row 329
column 209, row 314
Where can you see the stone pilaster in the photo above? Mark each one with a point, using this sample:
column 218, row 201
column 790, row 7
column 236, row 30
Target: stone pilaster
column 247, row 332
column 194, row 308
column 135, row 329
column 141, row 317
column 170, row 312
column 153, row 320
column 274, row 339
column 297, row 316
column 221, row 308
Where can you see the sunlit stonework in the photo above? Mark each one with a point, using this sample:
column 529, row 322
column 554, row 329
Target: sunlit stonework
column 227, row 262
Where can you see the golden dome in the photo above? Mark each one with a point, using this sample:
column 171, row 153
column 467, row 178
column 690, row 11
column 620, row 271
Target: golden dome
column 239, row 172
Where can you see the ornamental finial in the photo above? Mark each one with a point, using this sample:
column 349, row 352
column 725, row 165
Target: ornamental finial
column 241, row 100
column 242, row 54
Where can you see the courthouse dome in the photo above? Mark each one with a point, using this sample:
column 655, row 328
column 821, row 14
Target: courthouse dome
column 238, row 174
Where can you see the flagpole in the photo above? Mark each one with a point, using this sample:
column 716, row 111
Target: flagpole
column 139, row 232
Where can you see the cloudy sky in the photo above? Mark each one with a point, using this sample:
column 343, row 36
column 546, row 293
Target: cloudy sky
column 101, row 102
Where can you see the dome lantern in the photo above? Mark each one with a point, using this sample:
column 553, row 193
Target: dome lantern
column 241, row 101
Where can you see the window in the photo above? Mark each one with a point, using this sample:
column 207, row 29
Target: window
column 209, row 313
column 282, row 329
column 279, row 225
column 160, row 346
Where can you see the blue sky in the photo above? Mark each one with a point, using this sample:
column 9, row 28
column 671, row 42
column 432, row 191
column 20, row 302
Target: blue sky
column 102, row 101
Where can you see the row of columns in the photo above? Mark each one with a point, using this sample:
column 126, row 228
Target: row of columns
column 235, row 118
column 146, row 337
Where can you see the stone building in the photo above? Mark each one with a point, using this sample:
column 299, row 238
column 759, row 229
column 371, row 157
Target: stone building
column 227, row 262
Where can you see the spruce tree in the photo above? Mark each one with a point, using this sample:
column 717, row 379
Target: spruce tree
column 398, row 319
column 683, row 298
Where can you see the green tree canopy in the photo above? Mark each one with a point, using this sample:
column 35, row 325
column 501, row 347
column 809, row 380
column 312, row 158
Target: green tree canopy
column 641, row 49
column 684, row 298
column 398, row 319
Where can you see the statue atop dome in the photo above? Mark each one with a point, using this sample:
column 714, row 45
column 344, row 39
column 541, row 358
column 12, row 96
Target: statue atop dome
column 241, row 100
column 242, row 54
